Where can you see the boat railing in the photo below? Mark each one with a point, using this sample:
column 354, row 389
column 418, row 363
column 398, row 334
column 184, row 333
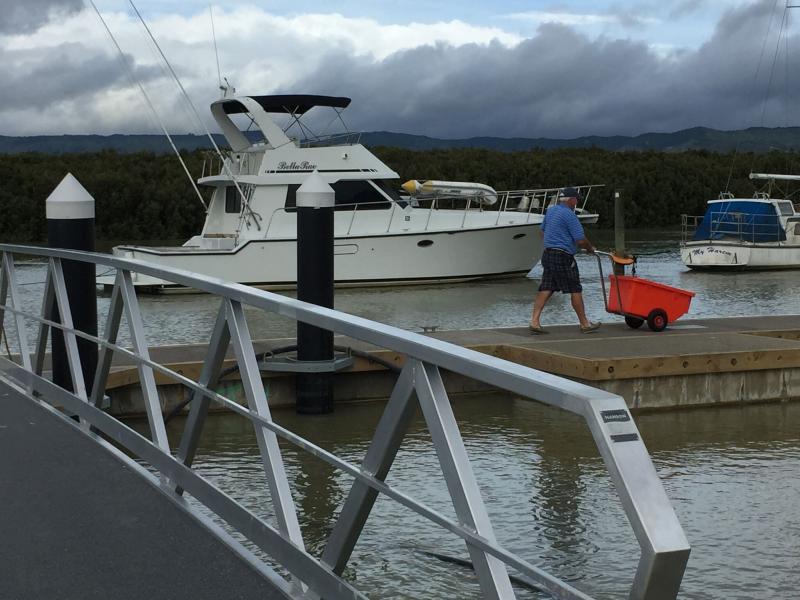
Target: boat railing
column 348, row 138
column 531, row 202
column 664, row 547
column 469, row 205
column 689, row 225
column 733, row 227
column 233, row 163
column 537, row 201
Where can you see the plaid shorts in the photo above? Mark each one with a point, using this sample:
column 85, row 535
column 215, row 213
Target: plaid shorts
column 560, row 272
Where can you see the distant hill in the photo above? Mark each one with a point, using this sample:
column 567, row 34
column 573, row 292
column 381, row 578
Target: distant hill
column 755, row 139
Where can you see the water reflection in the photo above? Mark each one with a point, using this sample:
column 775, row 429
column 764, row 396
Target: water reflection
column 730, row 472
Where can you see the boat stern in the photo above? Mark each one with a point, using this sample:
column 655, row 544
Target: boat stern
column 140, row 280
column 714, row 256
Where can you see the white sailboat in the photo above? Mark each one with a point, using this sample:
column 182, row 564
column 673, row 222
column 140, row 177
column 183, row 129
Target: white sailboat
column 756, row 233
column 381, row 237
column 762, row 232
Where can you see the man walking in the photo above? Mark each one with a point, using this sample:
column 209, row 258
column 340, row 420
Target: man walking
column 563, row 233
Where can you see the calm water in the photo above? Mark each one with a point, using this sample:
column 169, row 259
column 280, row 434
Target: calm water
column 731, row 473
column 473, row 305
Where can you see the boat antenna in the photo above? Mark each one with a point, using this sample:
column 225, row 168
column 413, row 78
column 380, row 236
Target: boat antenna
column 136, row 80
column 216, row 50
column 245, row 198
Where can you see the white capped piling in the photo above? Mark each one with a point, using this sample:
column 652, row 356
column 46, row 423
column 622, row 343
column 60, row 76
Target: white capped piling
column 315, row 201
column 70, row 225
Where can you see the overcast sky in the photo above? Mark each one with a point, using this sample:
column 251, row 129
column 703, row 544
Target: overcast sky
column 445, row 69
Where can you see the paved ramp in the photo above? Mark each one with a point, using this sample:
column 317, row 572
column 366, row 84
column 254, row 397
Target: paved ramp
column 76, row 523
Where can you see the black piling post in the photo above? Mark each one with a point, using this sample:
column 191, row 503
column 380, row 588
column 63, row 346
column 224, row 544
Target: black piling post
column 315, row 200
column 70, row 225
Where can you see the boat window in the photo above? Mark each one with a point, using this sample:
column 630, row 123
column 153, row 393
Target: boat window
column 347, row 194
column 786, row 209
column 233, row 200
column 358, row 192
column 388, row 187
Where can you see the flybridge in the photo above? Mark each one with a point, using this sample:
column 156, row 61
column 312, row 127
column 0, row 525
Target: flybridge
column 258, row 109
column 293, row 104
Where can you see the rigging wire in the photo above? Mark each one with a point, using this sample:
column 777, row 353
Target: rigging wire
column 784, row 24
column 787, row 108
column 245, row 198
column 774, row 63
column 132, row 75
column 755, row 82
column 148, row 43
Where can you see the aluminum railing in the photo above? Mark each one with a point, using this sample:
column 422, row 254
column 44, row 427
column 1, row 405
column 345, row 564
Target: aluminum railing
column 664, row 547
column 537, row 201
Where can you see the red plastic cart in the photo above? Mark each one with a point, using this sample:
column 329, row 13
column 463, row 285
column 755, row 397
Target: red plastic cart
column 640, row 300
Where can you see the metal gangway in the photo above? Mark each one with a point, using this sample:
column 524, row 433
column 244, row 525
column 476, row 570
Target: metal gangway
column 664, row 547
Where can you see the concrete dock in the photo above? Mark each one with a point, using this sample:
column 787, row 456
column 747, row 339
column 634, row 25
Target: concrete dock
column 77, row 524
column 692, row 363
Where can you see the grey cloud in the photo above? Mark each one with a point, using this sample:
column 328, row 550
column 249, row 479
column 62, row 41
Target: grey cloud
column 559, row 84
column 23, row 16
column 37, row 79
column 630, row 20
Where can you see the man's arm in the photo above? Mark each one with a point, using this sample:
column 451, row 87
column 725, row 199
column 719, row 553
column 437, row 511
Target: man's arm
column 586, row 245
column 579, row 235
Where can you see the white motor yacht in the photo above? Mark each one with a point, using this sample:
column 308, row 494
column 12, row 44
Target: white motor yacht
column 381, row 237
column 762, row 232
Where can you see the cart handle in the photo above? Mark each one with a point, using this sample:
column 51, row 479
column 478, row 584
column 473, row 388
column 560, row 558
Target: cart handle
column 620, row 261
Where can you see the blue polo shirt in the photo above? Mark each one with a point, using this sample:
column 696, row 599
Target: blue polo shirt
column 562, row 229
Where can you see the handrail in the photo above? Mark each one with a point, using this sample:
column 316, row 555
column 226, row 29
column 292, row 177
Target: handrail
column 527, row 201
column 664, row 547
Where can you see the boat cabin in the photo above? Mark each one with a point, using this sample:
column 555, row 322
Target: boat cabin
column 753, row 220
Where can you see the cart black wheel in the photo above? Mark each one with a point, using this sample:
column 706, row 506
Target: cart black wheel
column 633, row 322
column 657, row 319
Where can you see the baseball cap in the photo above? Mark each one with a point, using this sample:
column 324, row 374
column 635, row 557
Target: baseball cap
column 570, row 192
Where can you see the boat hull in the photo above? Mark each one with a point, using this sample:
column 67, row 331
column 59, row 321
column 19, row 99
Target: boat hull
column 391, row 259
column 737, row 256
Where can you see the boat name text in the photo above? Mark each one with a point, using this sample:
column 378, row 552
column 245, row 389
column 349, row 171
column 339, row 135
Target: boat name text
column 702, row 251
column 296, row 166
